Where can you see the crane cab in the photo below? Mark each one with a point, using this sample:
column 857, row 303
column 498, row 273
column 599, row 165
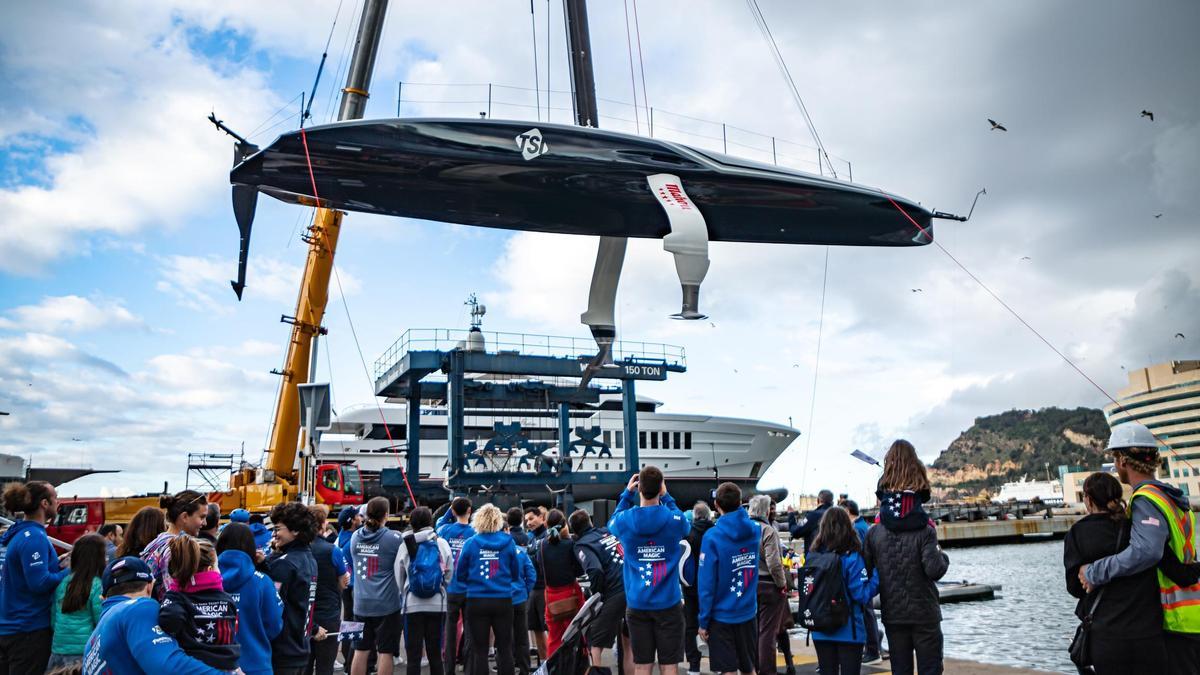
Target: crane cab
column 339, row 484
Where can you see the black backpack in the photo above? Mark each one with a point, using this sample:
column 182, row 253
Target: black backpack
column 823, row 603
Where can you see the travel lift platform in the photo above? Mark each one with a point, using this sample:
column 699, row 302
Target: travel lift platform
column 475, row 379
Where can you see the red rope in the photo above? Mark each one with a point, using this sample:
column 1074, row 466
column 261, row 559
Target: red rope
column 353, row 332
column 1056, row 350
column 308, row 161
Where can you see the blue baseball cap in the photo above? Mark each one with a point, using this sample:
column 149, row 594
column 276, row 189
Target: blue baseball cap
column 347, row 516
column 125, row 570
column 239, row 516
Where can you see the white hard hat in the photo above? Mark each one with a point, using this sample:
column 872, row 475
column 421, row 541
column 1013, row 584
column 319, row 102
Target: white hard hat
column 1131, row 435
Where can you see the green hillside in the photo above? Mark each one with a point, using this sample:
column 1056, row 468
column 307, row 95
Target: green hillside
column 1004, row 447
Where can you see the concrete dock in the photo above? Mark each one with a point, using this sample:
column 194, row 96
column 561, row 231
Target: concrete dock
column 1033, row 528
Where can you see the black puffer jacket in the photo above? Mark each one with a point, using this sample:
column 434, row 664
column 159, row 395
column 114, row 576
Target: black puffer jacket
column 908, row 562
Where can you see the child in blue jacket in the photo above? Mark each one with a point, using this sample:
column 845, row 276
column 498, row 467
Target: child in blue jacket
column 840, row 651
column 651, row 528
column 521, row 588
column 727, row 585
column 260, row 611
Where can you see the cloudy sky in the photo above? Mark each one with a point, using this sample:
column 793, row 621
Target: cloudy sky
column 121, row 345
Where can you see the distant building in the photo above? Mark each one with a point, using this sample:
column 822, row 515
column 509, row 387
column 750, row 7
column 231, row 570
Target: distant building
column 1072, row 478
column 1166, row 398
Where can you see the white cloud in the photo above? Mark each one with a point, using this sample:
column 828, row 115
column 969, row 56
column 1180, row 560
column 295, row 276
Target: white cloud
column 145, row 157
column 143, row 423
column 202, row 283
column 69, row 313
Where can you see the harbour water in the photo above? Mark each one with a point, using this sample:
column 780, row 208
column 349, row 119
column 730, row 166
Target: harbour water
column 1029, row 624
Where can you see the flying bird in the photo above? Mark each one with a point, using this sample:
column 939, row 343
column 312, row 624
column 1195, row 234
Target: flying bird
column 1026, row 258
column 916, row 290
column 1147, row 113
column 1158, row 215
column 712, row 324
column 794, row 365
column 1180, row 336
column 996, row 126
column 77, row 440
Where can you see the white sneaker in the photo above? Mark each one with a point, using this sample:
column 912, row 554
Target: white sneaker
column 693, row 672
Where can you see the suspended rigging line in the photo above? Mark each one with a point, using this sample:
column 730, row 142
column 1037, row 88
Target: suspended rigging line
column 548, row 31
column 641, row 61
column 1021, row 319
column 343, row 63
column 321, row 67
column 367, row 373
column 350, row 322
column 632, row 80
column 812, row 404
column 787, row 75
column 537, row 96
column 275, row 114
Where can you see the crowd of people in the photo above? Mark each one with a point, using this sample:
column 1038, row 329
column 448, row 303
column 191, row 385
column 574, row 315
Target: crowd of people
column 178, row 591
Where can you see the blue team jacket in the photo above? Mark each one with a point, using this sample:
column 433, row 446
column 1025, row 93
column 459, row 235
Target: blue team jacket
column 260, row 611
column 455, row 534
column 727, row 576
column 488, row 565
column 523, row 583
column 29, row 575
column 860, row 588
column 128, row 641
column 650, row 537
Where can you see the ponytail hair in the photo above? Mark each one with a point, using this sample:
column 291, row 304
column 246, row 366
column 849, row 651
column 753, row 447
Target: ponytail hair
column 181, row 503
column 26, row 497
column 1105, row 493
column 377, row 512
column 554, row 524
column 189, row 555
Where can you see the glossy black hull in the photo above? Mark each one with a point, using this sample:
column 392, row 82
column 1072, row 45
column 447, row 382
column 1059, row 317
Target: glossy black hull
column 586, row 181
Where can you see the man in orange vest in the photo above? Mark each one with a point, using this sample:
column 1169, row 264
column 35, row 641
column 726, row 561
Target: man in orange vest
column 1163, row 535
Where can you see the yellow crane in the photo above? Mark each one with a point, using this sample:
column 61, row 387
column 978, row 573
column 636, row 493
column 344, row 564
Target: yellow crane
column 278, row 479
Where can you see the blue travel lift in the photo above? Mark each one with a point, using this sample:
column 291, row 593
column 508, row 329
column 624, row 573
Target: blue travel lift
column 404, row 379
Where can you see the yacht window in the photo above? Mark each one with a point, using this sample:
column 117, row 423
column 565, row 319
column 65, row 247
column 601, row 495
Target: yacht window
column 697, row 463
column 677, row 444
column 654, row 446
column 666, row 465
column 687, row 440
column 620, row 439
column 642, row 440
column 755, row 469
column 606, row 466
column 608, row 438
column 666, row 440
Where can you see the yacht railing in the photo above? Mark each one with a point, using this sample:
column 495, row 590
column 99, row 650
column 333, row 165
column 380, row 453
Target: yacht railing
column 498, row 101
column 526, row 344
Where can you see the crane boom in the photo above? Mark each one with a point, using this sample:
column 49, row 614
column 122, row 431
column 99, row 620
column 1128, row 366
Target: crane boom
column 322, row 245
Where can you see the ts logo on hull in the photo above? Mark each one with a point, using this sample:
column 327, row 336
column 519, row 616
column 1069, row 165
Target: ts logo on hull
column 531, row 144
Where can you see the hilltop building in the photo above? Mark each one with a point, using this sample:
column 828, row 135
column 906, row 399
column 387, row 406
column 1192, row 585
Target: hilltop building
column 1166, row 398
